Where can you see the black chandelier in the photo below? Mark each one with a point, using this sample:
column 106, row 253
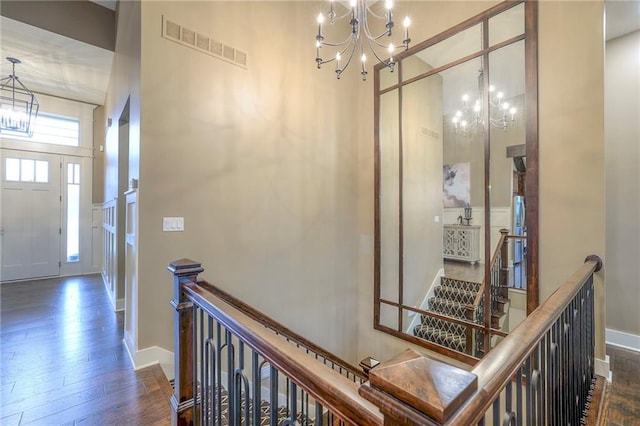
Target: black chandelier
column 18, row 105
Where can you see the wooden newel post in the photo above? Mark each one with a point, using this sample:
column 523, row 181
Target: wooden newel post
column 504, row 273
column 182, row 401
column 412, row 389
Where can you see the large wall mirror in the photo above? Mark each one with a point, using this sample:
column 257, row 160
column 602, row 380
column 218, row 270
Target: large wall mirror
column 456, row 185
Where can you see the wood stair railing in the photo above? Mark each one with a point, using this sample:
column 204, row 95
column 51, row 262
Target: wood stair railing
column 542, row 373
column 232, row 368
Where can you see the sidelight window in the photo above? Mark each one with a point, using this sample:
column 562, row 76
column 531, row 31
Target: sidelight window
column 73, row 212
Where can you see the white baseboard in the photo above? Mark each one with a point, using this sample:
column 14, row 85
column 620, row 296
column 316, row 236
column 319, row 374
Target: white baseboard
column 150, row 356
column 119, row 305
column 622, row 339
column 602, row 368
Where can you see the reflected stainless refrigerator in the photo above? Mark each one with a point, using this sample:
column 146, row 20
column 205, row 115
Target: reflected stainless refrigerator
column 519, row 244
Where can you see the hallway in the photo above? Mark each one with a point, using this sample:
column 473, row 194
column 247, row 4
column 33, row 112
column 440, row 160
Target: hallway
column 63, row 360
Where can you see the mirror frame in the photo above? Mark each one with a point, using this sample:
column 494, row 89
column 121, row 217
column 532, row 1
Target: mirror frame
column 531, row 182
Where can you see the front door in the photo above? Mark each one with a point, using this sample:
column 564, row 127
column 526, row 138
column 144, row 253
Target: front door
column 30, row 215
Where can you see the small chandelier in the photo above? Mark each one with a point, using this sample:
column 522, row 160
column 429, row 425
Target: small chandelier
column 18, row 105
column 501, row 114
column 360, row 36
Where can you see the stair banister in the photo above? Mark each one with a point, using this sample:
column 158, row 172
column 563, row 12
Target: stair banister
column 245, row 337
column 551, row 354
column 184, row 271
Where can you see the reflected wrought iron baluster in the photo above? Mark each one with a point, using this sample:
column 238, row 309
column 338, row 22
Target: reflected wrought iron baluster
column 318, row 415
column 496, row 412
column 481, row 422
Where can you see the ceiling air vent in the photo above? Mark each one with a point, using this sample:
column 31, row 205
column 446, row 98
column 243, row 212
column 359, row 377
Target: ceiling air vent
column 202, row 43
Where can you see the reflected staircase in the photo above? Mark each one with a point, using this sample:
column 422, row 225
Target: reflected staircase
column 457, row 298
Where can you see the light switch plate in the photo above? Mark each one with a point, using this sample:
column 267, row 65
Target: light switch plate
column 173, row 224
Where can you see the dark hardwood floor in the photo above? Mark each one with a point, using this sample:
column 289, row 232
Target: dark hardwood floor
column 63, row 360
column 624, row 400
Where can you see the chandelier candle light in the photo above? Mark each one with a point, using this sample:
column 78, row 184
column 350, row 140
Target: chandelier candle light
column 18, row 105
column 501, row 114
column 360, row 36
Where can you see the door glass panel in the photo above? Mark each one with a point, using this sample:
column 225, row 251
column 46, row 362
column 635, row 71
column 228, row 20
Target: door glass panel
column 42, row 171
column 12, row 167
column 26, row 170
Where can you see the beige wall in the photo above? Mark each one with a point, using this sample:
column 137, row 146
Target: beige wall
column 571, row 144
column 261, row 163
column 622, row 160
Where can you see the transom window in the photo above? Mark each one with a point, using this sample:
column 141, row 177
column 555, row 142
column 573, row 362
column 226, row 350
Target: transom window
column 52, row 129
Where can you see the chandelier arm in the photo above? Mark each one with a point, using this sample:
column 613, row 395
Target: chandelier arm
column 347, row 13
column 353, row 49
column 374, row 14
column 341, row 53
column 382, row 61
column 345, row 42
column 367, row 32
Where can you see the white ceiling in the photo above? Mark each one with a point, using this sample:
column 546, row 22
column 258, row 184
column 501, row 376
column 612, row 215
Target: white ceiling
column 53, row 64
column 59, row 66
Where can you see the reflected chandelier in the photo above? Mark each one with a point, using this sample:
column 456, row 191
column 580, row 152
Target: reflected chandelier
column 360, row 36
column 18, row 105
column 501, row 114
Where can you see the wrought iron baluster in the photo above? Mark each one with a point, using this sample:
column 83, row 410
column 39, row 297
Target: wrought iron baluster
column 520, row 409
column 231, row 391
column 194, row 361
column 257, row 387
column 496, row 412
column 273, row 396
column 292, row 406
column 318, row 415
column 218, row 381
